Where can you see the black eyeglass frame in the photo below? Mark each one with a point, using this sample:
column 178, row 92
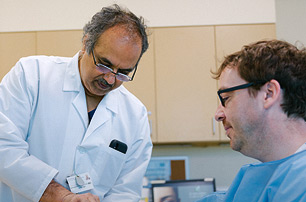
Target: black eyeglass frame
column 110, row 70
column 239, row 87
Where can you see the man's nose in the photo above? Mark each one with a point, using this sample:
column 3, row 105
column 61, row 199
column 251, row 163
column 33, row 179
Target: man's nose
column 219, row 115
column 110, row 78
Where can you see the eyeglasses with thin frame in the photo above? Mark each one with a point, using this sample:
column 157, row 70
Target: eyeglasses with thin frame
column 105, row 69
column 239, row 87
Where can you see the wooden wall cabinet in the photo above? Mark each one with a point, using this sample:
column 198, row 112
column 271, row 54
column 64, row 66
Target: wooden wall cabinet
column 143, row 85
column 173, row 78
column 13, row 46
column 185, row 92
column 176, row 84
column 59, row 43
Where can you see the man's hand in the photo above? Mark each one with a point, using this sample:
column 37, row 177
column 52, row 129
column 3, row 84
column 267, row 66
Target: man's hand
column 81, row 198
column 57, row 193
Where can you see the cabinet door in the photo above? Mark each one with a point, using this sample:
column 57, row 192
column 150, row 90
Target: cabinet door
column 13, row 46
column 143, row 85
column 185, row 91
column 59, row 43
column 231, row 38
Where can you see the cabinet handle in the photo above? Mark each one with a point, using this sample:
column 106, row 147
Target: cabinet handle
column 214, row 126
column 150, row 122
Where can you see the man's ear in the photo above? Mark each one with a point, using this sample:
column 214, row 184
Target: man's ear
column 272, row 93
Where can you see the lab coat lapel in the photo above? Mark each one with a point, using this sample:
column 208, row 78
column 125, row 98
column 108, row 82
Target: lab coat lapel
column 104, row 113
column 79, row 104
column 72, row 82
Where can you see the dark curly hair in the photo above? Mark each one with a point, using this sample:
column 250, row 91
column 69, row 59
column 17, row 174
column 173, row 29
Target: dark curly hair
column 273, row 59
column 109, row 17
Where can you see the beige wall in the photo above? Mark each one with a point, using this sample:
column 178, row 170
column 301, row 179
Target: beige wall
column 291, row 23
column 33, row 15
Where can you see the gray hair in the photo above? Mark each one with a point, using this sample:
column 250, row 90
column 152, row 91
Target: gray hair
column 109, row 17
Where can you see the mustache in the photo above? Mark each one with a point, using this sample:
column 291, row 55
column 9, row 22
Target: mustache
column 104, row 82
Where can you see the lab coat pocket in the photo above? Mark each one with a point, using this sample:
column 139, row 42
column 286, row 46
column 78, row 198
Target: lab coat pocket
column 107, row 166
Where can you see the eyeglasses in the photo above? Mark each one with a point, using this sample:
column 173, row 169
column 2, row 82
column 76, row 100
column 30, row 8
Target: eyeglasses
column 239, row 87
column 105, row 69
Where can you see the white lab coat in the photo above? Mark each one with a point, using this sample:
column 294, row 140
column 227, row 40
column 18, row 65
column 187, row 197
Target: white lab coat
column 44, row 133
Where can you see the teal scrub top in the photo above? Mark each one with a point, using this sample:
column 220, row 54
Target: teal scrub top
column 281, row 180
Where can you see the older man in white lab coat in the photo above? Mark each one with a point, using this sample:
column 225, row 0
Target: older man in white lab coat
column 68, row 126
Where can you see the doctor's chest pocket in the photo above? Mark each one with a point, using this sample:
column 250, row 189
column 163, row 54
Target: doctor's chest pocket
column 107, row 166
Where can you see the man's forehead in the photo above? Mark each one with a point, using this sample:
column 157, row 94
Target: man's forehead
column 228, row 73
column 230, row 77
